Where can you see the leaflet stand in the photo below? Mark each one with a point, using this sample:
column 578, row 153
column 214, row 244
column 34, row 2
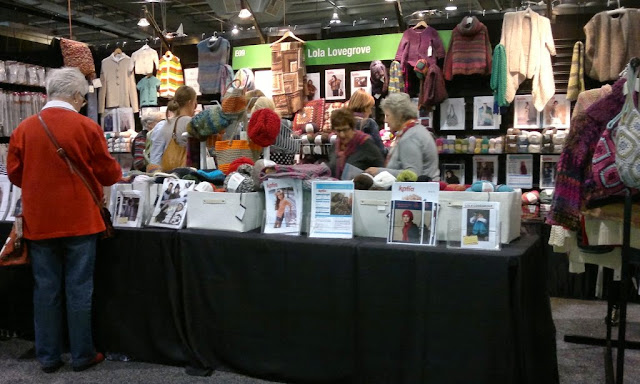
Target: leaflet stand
column 629, row 256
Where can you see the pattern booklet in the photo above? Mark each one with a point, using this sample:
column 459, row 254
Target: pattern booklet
column 480, row 226
column 283, row 203
column 171, row 208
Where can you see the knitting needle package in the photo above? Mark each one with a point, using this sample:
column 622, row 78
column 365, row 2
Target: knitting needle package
column 479, row 227
column 171, row 208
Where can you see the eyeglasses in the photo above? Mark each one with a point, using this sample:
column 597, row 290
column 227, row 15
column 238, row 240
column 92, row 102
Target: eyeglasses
column 342, row 129
column 84, row 101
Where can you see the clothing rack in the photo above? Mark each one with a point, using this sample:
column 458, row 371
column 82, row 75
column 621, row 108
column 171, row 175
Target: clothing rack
column 630, row 256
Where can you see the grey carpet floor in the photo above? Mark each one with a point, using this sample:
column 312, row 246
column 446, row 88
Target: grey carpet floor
column 577, row 363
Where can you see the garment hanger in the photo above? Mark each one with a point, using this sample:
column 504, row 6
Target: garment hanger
column 287, row 34
column 616, row 11
column 422, row 24
column 214, row 37
column 117, row 51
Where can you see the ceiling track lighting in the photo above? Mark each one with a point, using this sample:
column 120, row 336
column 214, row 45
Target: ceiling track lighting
column 335, row 19
column 143, row 22
column 244, row 13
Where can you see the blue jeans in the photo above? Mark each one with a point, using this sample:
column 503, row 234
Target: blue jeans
column 69, row 261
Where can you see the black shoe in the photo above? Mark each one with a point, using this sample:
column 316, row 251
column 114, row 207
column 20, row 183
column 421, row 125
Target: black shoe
column 96, row 360
column 52, row 368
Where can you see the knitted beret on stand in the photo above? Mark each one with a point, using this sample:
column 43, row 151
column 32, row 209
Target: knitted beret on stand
column 207, row 123
column 264, row 127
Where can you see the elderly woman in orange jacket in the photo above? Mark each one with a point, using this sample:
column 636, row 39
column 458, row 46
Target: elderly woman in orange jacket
column 61, row 221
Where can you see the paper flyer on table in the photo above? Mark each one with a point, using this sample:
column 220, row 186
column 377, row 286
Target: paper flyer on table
column 415, row 191
column 332, row 209
column 480, row 226
column 520, row 171
column 283, row 203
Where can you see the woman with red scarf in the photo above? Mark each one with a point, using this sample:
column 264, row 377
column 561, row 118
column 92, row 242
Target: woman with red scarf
column 410, row 231
column 352, row 146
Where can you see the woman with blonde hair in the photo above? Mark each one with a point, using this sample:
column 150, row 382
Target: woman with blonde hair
column 361, row 104
column 183, row 107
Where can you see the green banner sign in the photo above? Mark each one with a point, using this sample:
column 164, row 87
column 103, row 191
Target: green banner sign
column 330, row 52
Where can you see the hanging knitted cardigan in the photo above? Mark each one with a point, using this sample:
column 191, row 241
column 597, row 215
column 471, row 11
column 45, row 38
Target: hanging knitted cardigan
column 529, row 45
column 576, row 74
column 212, row 58
column 574, row 166
column 469, row 50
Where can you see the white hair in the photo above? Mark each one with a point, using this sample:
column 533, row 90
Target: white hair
column 400, row 105
column 66, row 82
column 151, row 118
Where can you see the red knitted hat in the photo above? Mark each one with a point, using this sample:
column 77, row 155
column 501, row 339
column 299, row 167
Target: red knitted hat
column 408, row 213
column 264, row 127
column 233, row 166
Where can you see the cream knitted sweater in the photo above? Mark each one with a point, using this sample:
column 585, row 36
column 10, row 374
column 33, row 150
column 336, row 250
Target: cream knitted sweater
column 528, row 42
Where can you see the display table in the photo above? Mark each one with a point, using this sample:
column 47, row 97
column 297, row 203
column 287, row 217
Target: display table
column 297, row 309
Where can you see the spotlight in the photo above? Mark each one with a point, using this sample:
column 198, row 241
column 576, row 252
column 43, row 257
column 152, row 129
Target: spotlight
column 235, row 30
column 450, row 8
column 143, row 22
column 244, row 13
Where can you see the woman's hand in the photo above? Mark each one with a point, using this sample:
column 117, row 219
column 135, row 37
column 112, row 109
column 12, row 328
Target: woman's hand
column 372, row 171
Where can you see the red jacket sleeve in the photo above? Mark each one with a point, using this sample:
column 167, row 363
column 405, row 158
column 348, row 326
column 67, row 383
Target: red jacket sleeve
column 14, row 159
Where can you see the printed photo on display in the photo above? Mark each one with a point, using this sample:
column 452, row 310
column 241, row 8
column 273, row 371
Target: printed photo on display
column 406, row 222
column 285, row 208
column 334, row 84
column 452, row 114
column 171, row 212
column 525, row 114
column 313, row 86
column 483, row 113
column 485, row 170
column 452, row 173
column 557, row 112
column 341, row 203
column 360, row 80
column 548, row 165
column 478, row 224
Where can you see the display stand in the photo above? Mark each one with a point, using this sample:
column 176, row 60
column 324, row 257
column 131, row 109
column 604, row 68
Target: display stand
column 629, row 256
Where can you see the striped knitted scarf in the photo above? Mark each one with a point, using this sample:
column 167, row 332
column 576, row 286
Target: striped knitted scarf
column 395, row 78
column 576, row 74
column 499, row 78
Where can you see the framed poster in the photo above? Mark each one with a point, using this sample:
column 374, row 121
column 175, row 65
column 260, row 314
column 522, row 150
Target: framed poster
column 360, row 80
column 480, row 229
column 452, row 115
column 525, row 114
column 485, row 168
column 548, row 164
column 483, row 117
column 191, row 79
column 313, row 86
column 520, row 171
column 557, row 112
column 334, row 87
column 452, row 173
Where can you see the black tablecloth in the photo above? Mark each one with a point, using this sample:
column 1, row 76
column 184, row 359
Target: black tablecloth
column 297, row 309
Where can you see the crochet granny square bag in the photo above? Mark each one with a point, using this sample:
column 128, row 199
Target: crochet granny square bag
column 606, row 178
column 627, row 138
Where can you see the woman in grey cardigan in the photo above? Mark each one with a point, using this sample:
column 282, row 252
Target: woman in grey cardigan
column 415, row 148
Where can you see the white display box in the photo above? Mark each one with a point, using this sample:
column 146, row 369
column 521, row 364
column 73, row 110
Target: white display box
column 510, row 211
column 218, row 210
column 371, row 213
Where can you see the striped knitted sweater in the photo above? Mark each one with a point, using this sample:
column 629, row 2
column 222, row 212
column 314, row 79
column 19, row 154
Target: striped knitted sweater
column 574, row 166
column 169, row 74
column 469, row 50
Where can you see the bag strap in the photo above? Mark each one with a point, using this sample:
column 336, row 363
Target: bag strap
column 175, row 125
column 72, row 166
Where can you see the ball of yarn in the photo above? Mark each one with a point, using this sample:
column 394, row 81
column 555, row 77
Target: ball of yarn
column 257, row 168
column 531, row 197
column 363, row 181
column 482, row 186
column 445, row 187
column 247, row 184
column 407, row 175
column 504, row 188
column 423, row 179
column 383, row 180
column 264, row 127
column 204, row 187
column 233, row 166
